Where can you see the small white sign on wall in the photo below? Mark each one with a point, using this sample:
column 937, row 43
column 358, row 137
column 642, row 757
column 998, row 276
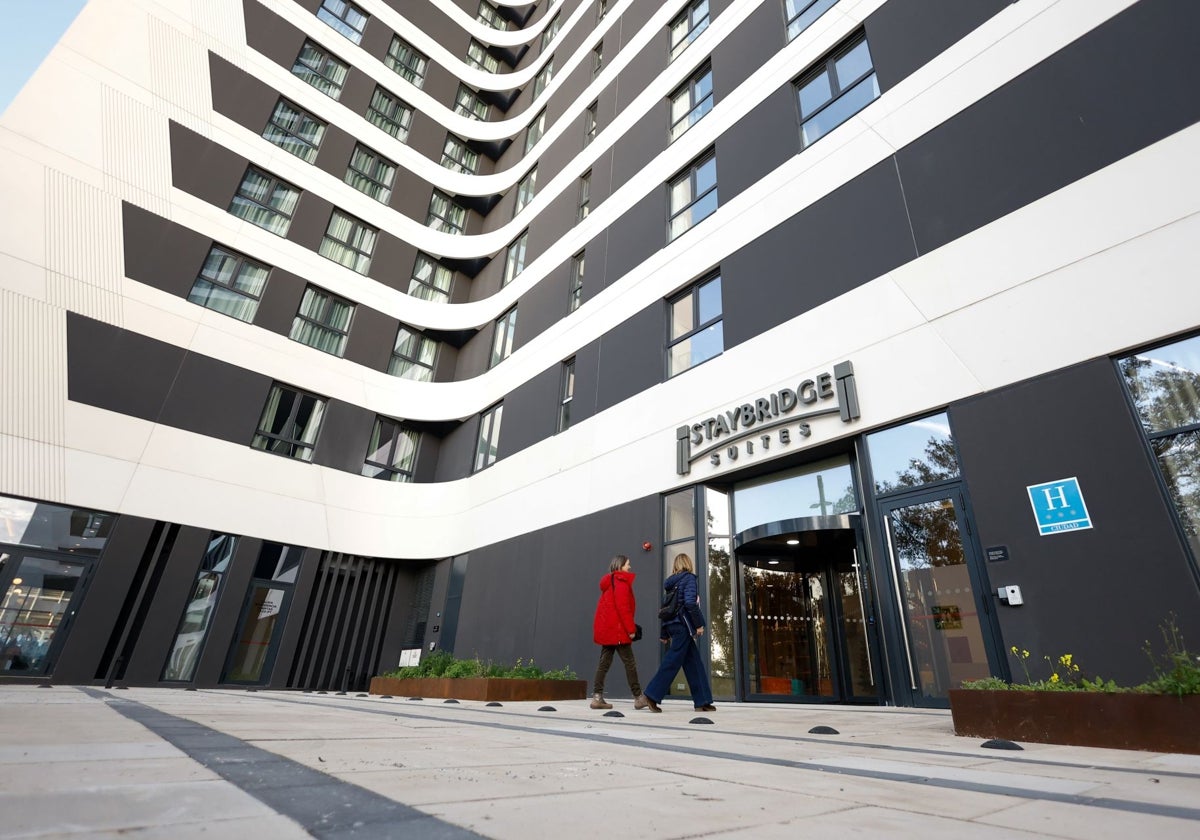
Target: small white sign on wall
column 1058, row 506
column 410, row 657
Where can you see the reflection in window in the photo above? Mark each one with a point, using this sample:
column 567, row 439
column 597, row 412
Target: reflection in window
column 321, row 70
column 679, row 527
column 535, row 131
column 371, row 173
column 390, row 113
column 295, row 130
column 230, row 283
column 543, row 78
column 266, row 201
column 514, row 260
column 919, row 452
column 488, row 443
column 345, row 17
column 575, row 292
column 836, row 90
column 52, row 526
column 691, row 101
column 720, row 613
column 526, row 190
column 430, row 280
column 822, row 489
column 479, row 58
column 323, row 321
column 348, row 241
column 406, row 61
column 392, row 452
column 197, row 615
column 802, row 13
column 503, row 337
column 693, row 195
column 696, row 330
column 1164, row 384
column 688, row 26
column 413, row 356
column 253, row 654
column 290, row 422
column 457, row 157
column 445, row 215
column 468, row 104
column 566, row 395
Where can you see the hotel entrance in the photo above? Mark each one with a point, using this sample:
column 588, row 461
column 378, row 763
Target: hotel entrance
column 808, row 622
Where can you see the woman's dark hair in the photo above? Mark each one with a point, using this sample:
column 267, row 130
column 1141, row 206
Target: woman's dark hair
column 618, row 563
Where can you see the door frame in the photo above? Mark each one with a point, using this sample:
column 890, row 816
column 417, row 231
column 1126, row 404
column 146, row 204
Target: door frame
column 88, row 562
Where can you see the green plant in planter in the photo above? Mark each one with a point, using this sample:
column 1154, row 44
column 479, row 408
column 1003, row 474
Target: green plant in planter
column 443, row 664
column 1177, row 671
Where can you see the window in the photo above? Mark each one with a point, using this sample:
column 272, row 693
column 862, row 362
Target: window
column 290, row 422
column 542, row 80
column 406, row 61
column 839, row 88
column 489, row 437
column 585, row 196
column 445, row 215
column 535, row 131
column 320, row 69
column 413, row 356
column 392, row 452
column 1164, row 384
column 526, row 189
column 601, row 9
column 371, row 173
column 502, row 338
column 514, row 260
column 345, row 17
column 430, row 280
column 266, row 201
column 468, row 103
column 693, row 195
column 457, row 157
column 323, row 321
column 566, row 393
column 802, row 13
column 231, row 283
column 348, row 241
column 549, row 32
column 197, row 614
column 590, row 123
column 597, row 58
column 688, row 26
column 491, row 16
column 575, row 292
column 295, row 130
column 696, row 334
column 480, row 58
column 691, row 102
column 390, row 113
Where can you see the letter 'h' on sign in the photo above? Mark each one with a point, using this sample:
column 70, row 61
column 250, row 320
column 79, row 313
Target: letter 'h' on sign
column 1058, row 506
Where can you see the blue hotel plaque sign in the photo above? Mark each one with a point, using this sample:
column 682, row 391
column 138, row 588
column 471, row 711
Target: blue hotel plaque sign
column 1058, row 506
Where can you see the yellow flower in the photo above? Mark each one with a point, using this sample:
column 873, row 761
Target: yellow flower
column 1054, row 678
column 1014, row 650
column 1024, row 654
column 1065, row 659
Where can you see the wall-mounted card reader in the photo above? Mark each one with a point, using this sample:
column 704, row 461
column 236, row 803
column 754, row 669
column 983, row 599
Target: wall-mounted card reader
column 1011, row 595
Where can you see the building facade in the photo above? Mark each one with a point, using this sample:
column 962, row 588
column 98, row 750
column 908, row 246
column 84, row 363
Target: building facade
column 334, row 332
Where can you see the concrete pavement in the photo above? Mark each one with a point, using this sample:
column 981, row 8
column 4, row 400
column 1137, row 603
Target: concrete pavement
column 150, row 763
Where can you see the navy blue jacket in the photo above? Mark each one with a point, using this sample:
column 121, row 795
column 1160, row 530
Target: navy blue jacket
column 689, row 598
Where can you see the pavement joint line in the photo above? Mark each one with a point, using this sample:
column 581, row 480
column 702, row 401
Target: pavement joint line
column 1127, row 805
column 323, row 805
column 998, row 758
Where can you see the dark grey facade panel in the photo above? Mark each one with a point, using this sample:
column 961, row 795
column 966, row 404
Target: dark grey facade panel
column 635, row 236
column 280, row 301
column 763, row 33
column 531, row 411
column 310, row 221
column 631, row 21
column 204, row 168
column 473, row 356
column 392, row 263
column 602, row 176
column 544, row 305
column 645, row 139
column 1076, row 423
column 273, row 36
column 645, row 66
column 215, row 399
column 587, row 374
column 110, row 581
column 904, row 35
column 1085, row 107
column 372, row 336
column 344, row 437
column 853, row 235
column 759, row 143
column 358, row 90
column 240, row 96
column 160, row 253
column 551, row 579
column 334, row 154
column 457, row 452
column 119, row 370
column 631, row 357
column 554, row 222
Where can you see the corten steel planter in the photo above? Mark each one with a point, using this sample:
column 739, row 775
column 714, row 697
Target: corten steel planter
column 1154, row 722
column 482, row 688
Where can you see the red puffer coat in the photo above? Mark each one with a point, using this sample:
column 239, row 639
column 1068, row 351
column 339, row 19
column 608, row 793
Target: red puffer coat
column 615, row 610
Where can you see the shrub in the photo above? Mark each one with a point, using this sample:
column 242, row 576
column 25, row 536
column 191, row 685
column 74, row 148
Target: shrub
column 443, row 664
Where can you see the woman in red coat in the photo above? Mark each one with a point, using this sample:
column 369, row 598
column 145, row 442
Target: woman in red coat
column 614, row 630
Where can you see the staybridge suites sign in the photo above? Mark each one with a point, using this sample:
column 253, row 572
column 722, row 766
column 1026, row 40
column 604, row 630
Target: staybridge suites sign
column 773, row 418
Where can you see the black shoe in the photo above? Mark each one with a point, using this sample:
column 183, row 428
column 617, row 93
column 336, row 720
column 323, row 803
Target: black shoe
column 651, row 705
column 707, row 707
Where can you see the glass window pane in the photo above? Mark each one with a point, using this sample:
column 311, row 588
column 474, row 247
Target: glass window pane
column 710, row 301
column 916, row 453
column 814, row 94
column 683, row 318
column 1165, row 384
column 849, row 104
column 1178, row 456
column 853, row 64
column 822, row 489
column 707, row 343
column 679, row 515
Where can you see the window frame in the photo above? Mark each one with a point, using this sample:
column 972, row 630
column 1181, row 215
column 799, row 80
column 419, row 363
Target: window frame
column 490, row 16
column 503, row 337
column 374, row 182
column 549, row 32
column 584, row 207
column 382, row 120
column 692, row 292
column 483, row 60
column 319, row 324
column 690, row 88
column 488, row 436
column 356, row 247
column 694, row 28
column 526, row 191
column 789, row 22
column 543, row 79
column 597, row 58
column 535, row 130
column 414, row 69
column 282, row 131
column 690, row 174
column 328, row 62
column 514, row 258
column 467, row 103
column 413, row 360
column 827, row 66
column 275, row 183
column 241, row 262
column 566, row 394
column 446, row 223
column 389, row 471
column 299, row 449
column 458, row 165
column 575, row 286
column 346, row 28
column 591, row 123
column 432, row 292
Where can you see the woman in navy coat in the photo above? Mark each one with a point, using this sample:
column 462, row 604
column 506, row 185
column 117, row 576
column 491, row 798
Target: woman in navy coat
column 681, row 633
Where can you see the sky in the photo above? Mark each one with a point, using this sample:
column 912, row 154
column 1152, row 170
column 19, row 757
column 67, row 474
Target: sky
column 29, row 31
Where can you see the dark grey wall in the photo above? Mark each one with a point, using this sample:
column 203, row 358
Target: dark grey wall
column 905, row 34
column 631, row 357
column 1097, row 594
column 531, row 411
column 204, row 168
column 542, row 588
column 160, row 253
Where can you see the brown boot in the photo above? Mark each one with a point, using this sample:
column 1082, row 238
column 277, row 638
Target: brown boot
column 641, row 702
column 651, row 705
column 598, row 702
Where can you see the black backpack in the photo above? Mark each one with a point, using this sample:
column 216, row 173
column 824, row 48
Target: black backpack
column 670, row 604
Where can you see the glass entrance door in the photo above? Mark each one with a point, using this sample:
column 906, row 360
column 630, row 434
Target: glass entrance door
column 39, row 594
column 942, row 596
column 807, row 619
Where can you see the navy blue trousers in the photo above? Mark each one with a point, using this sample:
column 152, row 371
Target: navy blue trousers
column 682, row 653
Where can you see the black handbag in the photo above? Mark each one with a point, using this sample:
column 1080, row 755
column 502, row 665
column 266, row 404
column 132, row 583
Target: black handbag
column 637, row 632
